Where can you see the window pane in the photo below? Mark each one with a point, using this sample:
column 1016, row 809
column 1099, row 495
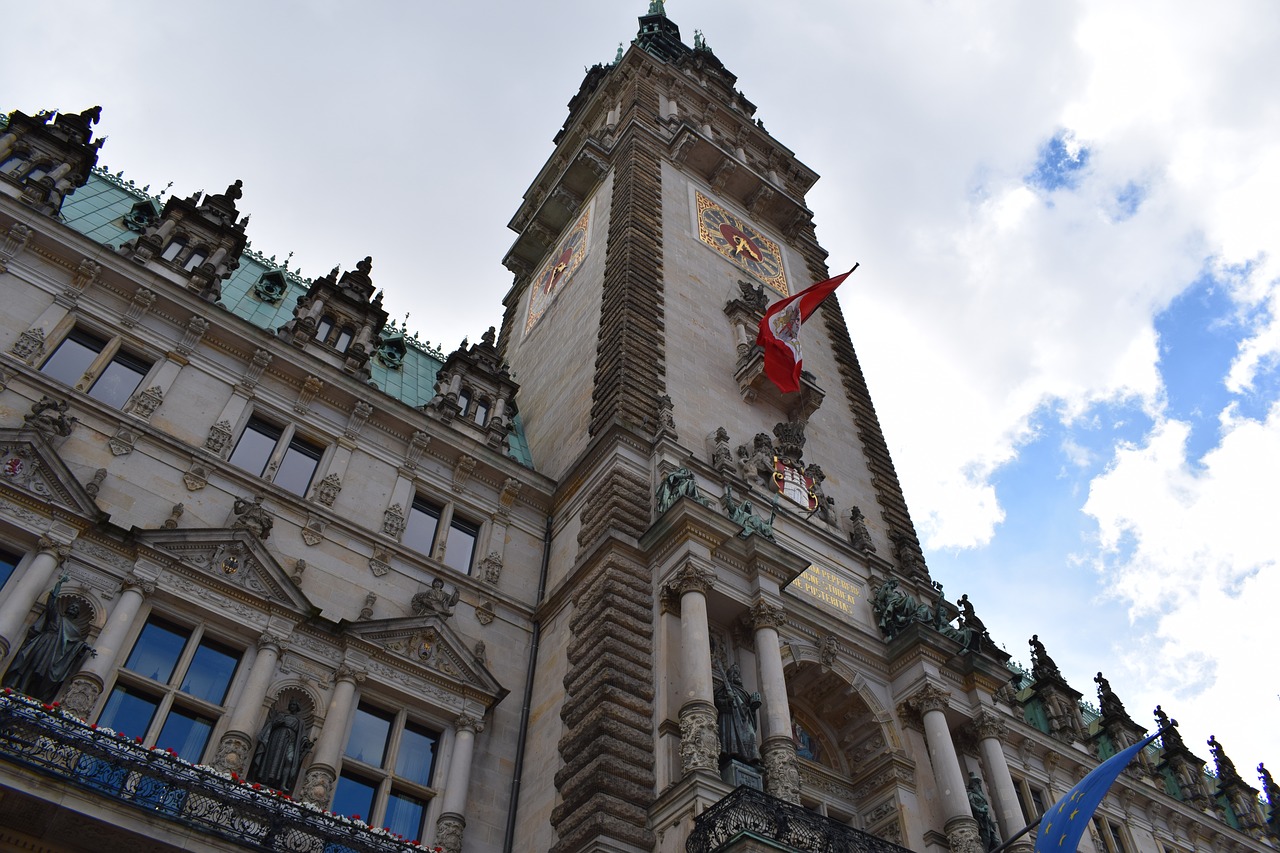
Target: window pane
column 157, row 650
column 253, row 450
column 344, row 340
column 482, row 412
column 8, row 562
column 73, row 357
column 325, row 327
column 210, row 672
column 353, row 797
column 194, row 260
column 171, row 251
column 298, row 466
column 416, row 755
column 119, row 380
column 461, row 545
column 404, row 815
column 420, row 528
column 464, row 401
column 128, row 711
column 368, row 741
column 186, row 733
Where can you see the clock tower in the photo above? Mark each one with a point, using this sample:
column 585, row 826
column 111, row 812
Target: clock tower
column 715, row 543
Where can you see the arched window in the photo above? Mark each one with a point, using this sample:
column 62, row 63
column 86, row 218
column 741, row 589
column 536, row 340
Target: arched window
column 176, row 245
column 344, row 339
column 195, row 259
column 325, row 327
column 11, row 165
column 464, row 402
column 38, row 172
column 482, row 411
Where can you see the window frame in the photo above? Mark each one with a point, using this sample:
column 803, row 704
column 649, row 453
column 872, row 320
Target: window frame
column 1113, row 834
column 287, row 438
column 383, row 778
column 446, row 521
column 112, row 351
column 169, row 695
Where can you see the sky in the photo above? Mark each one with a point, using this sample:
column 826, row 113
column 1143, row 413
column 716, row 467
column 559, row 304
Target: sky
column 1067, row 216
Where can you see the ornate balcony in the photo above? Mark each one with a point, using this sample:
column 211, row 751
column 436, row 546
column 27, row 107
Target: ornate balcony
column 750, row 820
column 42, row 740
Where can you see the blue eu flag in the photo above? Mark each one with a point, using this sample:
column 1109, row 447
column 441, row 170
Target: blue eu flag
column 1065, row 821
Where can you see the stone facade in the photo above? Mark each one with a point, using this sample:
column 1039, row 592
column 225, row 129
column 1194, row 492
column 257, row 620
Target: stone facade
column 556, row 629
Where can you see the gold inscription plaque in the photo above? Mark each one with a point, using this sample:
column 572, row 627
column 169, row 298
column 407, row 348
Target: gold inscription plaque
column 830, row 589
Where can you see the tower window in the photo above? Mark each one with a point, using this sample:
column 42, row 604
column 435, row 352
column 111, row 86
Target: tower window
column 464, row 402
column 325, row 327
column 11, row 165
column 171, row 689
column 76, row 356
column 194, row 260
column 482, row 412
column 176, row 245
column 344, row 339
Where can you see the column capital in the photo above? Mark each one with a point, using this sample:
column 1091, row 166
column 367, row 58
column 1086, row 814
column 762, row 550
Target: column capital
column 270, row 642
column 136, row 582
column 765, row 615
column 987, row 724
column 58, row 550
column 691, row 577
column 931, row 697
column 466, row 722
column 346, row 672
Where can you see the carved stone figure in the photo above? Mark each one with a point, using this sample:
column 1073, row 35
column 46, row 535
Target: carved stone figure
column 435, row 601
column 737, row 719
column 757, row 460
column 53, row 650
column 1108, row 701
column 981, row 810
column 49, row 416
column 743, row 514
column 680, row 483
column 252, row 517
column 1272, row 792
column 281, row 745
column 973, row 629
column 1169, row 739
column 1042, row 666
column 860, row 536
column 895, row 608
column 1226, row 767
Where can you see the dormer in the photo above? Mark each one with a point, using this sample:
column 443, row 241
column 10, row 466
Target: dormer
column 43, row 163
column 475, row 391
column 340, row 316
column 200, row 240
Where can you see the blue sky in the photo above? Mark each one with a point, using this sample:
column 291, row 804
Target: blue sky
column 1066, row 215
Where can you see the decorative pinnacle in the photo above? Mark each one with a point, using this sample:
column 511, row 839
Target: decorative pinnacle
column 656, row 7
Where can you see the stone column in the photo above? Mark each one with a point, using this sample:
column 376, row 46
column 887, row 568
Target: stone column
column 317, row 789
column 34, row 583
column 235, row 750
column 86, row 685
column 930, row 702
column 699, row 739
column 990, row 729
column 453, row 809
column 777, row 748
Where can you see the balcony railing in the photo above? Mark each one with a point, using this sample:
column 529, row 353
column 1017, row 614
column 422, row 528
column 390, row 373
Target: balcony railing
column 152, row 781
column 750, row 814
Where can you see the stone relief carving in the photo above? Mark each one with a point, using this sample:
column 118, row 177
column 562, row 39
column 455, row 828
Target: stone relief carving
column 327, row 490
column 123, row 441
column 393, row 522
column 197, row 476
column 49, row 418
column 219, row 437
column 144, row 403
column 491, row 567
column 435, row 601
column 30, row 345
column 251, row 516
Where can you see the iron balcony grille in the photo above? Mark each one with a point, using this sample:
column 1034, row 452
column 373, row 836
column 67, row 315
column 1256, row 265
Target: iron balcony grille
column 42, row 739
column 748, row 813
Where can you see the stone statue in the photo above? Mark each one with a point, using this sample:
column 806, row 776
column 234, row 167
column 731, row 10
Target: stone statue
column 757, row 460
column 737, row 718
column 981, row 810
column 743, row 514
column 49, row 416
column 53, row 649
column 435, row 601
column 656, row 7
column 1042, row 666
column 281, row 745
column 252, row 517
column 488, row 338
column 940, row 619
column 1108, row 701
column 894, row 607
column 970, row 622
column 1226, row 767
column 680, row 483
column 1169, row 737
column 1272, row 792
column 860, row 535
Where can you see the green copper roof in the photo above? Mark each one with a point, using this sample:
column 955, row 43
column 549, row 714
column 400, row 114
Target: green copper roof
column 98, row 210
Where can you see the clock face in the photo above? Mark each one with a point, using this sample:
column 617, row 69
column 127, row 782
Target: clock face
column 741, row 243
column 557, row 270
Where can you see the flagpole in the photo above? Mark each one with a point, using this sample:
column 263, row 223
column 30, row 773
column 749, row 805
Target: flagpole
column 1036, row 822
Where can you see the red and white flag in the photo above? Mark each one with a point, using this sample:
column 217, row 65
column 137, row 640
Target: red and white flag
column 780, row 332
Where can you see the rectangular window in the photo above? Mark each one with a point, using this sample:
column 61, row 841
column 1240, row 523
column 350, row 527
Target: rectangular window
column 259, row 443
column 8, row 562
column 420, row 526
column 1111, row 835
column 171, row 689
column 461, row 545
column 386, row 771
column 118, row 380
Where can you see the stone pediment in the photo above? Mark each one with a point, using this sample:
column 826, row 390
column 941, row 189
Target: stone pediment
column 28, row 463
column 235, row 557
column 428, row 642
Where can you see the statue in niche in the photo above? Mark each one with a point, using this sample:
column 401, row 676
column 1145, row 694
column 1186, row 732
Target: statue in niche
column 981, row 810
column 53, row 650
column 435, row 601
column 736, row 709
column 281, row 745
column 680, row 483
column 1042, row 666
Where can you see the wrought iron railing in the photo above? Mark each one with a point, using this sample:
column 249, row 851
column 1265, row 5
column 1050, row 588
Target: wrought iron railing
column 748, row 813
column 154, row 782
